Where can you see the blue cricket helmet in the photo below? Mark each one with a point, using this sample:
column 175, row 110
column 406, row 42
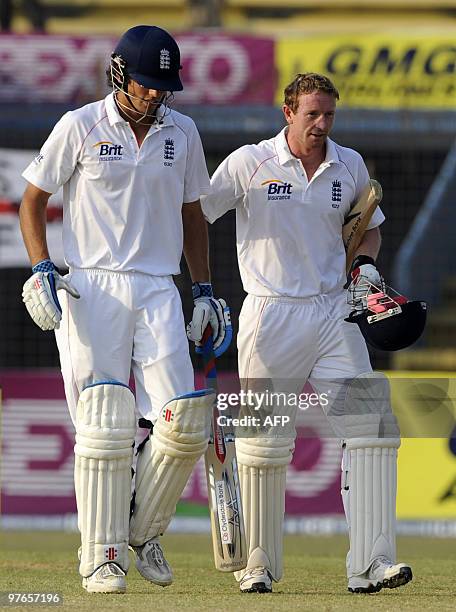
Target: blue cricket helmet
column 151, row 57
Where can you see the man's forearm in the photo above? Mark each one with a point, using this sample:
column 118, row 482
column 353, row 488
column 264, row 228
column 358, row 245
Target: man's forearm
column 32, row 215
column 370, row 244
column 196, row 242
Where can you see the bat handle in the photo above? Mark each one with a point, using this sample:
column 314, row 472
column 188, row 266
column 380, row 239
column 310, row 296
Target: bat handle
column 206, row 340
column 207, row 353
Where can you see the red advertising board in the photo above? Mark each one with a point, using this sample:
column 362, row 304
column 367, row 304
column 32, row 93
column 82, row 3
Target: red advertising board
column 217, row 68
column 38, row 460
column 226, row 69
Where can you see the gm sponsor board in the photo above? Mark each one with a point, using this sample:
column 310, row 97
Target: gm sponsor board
column 385, row 70
column 38, row 460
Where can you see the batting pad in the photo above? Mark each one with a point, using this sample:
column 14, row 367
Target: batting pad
column 105, row 432
column 179, row 439
column 262, row 465
column 369, row 480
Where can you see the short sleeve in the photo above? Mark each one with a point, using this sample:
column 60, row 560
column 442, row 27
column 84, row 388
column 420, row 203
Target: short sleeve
column 57, row 159
column 361, row 176
column 196, row 182
column 377, row 218
column 227, row 192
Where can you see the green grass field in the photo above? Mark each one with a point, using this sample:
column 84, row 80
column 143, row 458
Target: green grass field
column 314, row 577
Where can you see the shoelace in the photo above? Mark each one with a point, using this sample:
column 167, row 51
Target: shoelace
column 257, row 571
column 110, row 569
column 156, row 554
column 381, row 561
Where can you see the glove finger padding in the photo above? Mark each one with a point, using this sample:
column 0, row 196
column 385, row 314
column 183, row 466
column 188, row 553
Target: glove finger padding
column 33, row 304
column 209, row 311
column 213, row 312
column 365, row 280
column 48, row 297
column 200, row 319
column 38, row 296
column 224, row 335
column 36, row 311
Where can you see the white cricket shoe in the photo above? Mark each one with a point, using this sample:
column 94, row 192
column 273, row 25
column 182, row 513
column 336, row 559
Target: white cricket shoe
column 151, row 563
column 108, row 578
column 256, row 580
column 382, row 574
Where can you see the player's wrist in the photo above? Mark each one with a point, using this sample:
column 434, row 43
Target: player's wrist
column 362, row 260
column 45, row 265
column 200, row 290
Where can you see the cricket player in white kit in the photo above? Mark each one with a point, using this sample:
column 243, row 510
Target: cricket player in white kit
column 291, row 195
column 132, row 172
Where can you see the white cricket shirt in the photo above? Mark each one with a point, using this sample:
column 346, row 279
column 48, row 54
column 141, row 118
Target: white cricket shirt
column 122, row 206
column 289, row 229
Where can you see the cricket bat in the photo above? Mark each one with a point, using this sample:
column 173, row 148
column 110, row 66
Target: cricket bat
column 223, row 489
column 358, row 218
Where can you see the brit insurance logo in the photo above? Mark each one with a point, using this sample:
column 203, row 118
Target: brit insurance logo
column 108, row 151
column 278, row 190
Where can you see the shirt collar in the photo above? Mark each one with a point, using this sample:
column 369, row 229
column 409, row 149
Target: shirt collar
column 332, row 156
column 282, row 148
column 285, row 155
column 112, row 111
column 115, row 117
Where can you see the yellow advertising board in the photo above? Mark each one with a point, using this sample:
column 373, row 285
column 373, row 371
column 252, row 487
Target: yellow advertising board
column 425, row 405
column 385, row 70
column 426, row 479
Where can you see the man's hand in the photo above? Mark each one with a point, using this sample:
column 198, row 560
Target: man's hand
column 209, row 310
column 40, row 295
column 363, row 279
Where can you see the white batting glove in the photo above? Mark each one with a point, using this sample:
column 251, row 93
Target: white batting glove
column 209, row 310
column 364, row 279
column 39, row 295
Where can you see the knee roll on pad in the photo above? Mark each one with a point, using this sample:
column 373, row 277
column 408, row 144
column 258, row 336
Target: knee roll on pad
column 262, row 464
column 361, row 407
column 264, row 452
column 105, row 432
column 179, row 439
column 369, row 480
column 364, row 427
column 367, row 390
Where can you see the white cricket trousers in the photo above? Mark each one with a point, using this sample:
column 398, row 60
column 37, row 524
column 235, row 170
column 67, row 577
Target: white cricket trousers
column 124, row 321
column 293, row 340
